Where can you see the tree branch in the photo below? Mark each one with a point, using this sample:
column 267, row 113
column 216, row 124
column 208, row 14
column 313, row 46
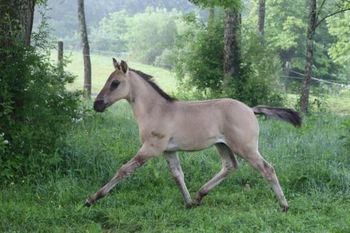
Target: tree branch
column 331, row 14
column 320, row 8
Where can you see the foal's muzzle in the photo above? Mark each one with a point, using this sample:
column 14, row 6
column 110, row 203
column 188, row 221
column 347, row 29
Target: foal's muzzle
column 99, row 106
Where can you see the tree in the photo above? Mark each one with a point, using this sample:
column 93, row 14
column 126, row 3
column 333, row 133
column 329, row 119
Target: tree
column 16, row 21
column 304, row 99
column 16, row 18
column 339, row 51
column 314, row 22
column 86, row 49
column 232, row 52
column 261, row 19
column 232, row 28
column 26, row 17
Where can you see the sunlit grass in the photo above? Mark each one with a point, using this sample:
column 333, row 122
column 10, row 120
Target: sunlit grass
column 102, row 67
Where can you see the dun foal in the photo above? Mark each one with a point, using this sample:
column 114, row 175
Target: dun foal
column 167, row 126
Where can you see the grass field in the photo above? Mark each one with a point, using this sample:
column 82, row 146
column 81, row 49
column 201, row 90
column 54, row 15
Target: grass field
column 102, row 67
column 312, row 163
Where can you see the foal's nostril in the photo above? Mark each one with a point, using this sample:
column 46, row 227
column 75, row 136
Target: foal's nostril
column 99, row 106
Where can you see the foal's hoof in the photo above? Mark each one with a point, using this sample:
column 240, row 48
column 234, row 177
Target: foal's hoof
column 88, row 203
column 285, row 209
column 193, row 204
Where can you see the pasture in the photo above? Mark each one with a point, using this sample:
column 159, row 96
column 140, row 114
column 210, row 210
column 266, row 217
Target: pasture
column 312, row 163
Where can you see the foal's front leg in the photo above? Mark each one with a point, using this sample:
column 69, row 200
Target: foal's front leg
column 140, row 158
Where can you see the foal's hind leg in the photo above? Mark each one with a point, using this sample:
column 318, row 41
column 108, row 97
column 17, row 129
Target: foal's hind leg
column 229, row 163
column 175, row 168
column 267, row 170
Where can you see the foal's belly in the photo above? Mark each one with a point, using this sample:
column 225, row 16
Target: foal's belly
column 193, row 144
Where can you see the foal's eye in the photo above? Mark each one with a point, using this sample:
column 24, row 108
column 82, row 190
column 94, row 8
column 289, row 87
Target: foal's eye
column 114, row 84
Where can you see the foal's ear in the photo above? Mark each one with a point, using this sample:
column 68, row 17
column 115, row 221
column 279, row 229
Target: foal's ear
column 115, row 64
column 124, row 66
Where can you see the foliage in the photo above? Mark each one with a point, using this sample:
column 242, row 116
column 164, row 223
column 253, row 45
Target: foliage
column 200, row 65
column 221, row 3
column 340, row 50
column 63, row 14
column 35, row 112
column 166, row 59
column 109, row 35
column 200, row 57
column 150, row 33
column 146, row 37
column 285, row 31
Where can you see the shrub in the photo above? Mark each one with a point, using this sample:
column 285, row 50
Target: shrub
column 35, row 112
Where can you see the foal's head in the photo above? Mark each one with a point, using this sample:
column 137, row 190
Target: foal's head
column 116, row 88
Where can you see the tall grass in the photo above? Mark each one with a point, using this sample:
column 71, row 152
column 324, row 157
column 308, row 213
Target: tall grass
column 312, row 163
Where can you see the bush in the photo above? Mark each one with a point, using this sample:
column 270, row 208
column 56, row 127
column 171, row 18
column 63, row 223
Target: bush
column 166, row 59
column 35, row 112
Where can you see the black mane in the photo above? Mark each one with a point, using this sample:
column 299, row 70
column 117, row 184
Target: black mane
column 149, row 79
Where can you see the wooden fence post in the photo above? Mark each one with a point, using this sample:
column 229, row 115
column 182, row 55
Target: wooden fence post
column 60, row 56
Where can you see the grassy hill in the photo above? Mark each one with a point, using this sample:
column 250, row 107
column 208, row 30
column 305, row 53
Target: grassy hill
column 102, row 67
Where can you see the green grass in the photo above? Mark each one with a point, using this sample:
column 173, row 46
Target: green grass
column 312, row 163
column 102, row 67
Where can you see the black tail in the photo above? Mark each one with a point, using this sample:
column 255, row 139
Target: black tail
column 285, row 114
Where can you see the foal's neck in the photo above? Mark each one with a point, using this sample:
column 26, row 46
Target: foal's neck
column 143, row 99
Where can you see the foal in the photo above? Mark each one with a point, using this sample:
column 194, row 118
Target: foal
column 167, row 126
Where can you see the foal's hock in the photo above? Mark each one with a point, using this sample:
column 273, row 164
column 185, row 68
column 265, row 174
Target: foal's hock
column 167, row 126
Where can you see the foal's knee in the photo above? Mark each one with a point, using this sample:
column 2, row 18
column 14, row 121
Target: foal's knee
column 269, row 171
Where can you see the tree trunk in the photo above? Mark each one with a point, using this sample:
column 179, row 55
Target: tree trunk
column 16, row 20
column 232, row 52
column 86, row 49
column 261, row 20
column 26, row 17
column 304, row 99
column 60, row 57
